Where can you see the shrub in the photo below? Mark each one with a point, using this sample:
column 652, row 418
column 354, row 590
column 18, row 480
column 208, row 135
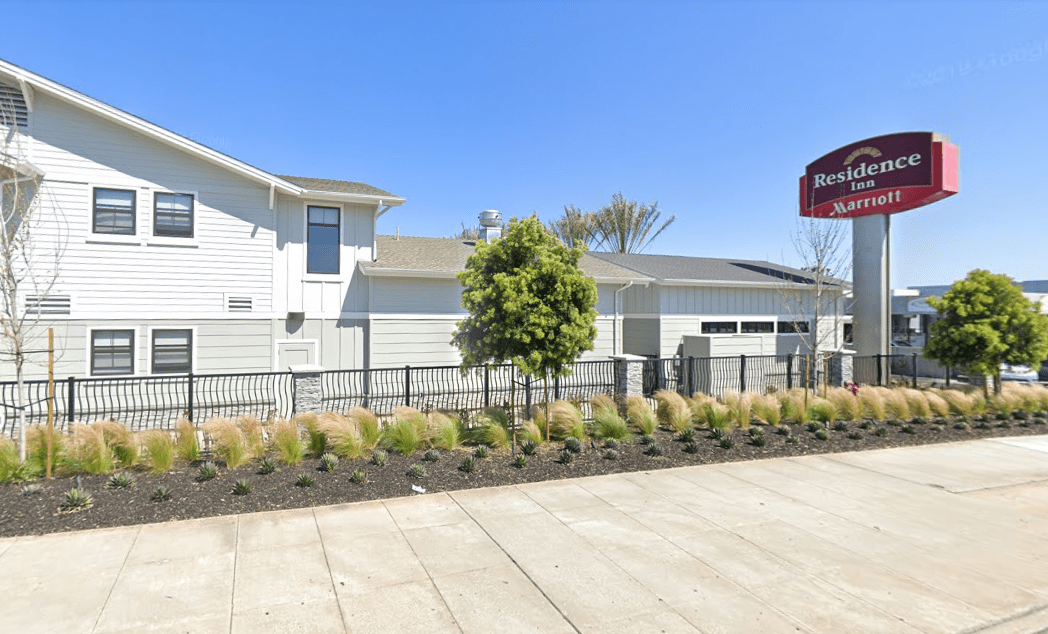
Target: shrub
column 379, row 458
column 241, row 487
column 287, row 442
column 574, row 445
column 608, row 424
column 359, row 476
column 328, row 463
column 162, row 494
column 639, row 414
column 231, row 441
column 673, row 411
column 159, row 449
column 186, row 442
column 766, row 408
column 520, row 461
column 469, row 465
column 77, row 499
column 304, row 481
column 318, row 440
column 207, row 471
column 431, row 456
column 122, row 480
column 267, row 466
column 367, row 426
column 528, row 447
column 340, row 432
column 447, row 431
column 416, row 471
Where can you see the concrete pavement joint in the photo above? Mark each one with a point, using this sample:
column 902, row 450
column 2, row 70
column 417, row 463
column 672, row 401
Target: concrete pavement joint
column 233, row 585
column 327, row 563
column 556, row 607
column 1010, row 619
column 116, row 578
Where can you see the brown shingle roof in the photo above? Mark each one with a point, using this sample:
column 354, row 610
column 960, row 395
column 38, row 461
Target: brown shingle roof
column 341, row 187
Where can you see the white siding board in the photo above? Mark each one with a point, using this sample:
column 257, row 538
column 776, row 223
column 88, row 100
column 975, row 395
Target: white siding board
column 417, row 295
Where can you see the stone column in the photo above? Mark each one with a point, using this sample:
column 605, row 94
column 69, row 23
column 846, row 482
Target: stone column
column 841, row 369
column 629, row 377
column 307, row 391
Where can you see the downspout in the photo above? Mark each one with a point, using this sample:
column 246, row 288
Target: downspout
column 615, row 322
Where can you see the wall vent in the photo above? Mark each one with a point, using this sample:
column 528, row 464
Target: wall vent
column 48, row 305
column 238, row 304
column 12, row 107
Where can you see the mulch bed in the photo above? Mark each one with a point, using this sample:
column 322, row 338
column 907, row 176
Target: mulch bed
column 39, row 513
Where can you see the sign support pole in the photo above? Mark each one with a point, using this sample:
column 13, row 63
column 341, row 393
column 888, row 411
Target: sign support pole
column 871, row 269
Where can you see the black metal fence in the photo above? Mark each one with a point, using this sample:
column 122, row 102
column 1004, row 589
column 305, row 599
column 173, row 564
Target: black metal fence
column 158, row 402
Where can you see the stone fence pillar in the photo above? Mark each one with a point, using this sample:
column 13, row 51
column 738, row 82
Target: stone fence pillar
column 307, row 392
column 841, row 369
column 629, row 377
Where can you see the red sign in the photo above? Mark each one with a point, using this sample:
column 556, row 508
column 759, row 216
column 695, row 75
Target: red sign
column 883, row 175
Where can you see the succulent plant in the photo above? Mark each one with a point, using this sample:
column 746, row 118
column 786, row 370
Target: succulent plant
column 782, row 431
column 854, row 436
column 918, row 420
column 1039, row 421
column 653, row 450
column 866, row 425
column 77, row 499
column 359, row 476
column 1004, row 424
column 31, row 489
column 982, row 425
column 304, row 480
column 822, row 435
column 726, row 442
column 207, row 471
column 907, row 429
column 814, row 427
column 719, row 433
column 690, row 447
column 574, row 445
column 242, row 487
column 895, row 422
column 469, row 465
column 1001, row 416
column 611, row 443
column 431, row 455
column 162, row 494
column 379, row 458
column 520, row 461
column 647, row 439
column 840, row 426
column 687, row 435
column 757, row 440
column 528, row 447
column 610, row 454
column 791, row 440
column 481, row 451
column 961, row 426
column 328, row 462
column 416, row 471
column 566, row 456
column 121, row 480
column 881, row 432
column 267, row 466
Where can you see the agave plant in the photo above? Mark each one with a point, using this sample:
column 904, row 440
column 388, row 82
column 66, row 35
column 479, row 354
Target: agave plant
column 76, row 499
column 207, row 471
column 304, row 480
column 416, row 471
column 242, row 487
column 121, row 480
column 469, row 465
column 328, row 462
column 162, row 494
column 359, row 476
column 520, row 461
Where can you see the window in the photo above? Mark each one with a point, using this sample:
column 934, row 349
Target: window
column 792, row 327
column 714, row 327
column 322, row 240
column 172, row 351
column 758, row 326
column 112, row 352
column 114, row 212
column 173, row 215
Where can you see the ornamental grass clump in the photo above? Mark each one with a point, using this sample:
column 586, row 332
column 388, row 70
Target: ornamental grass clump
column 367, row 426
column 318, row 440
column 717, row 416
column 158, row 450
column 873, row 405
column 186, row 442
column 741, row 408
column 917, row 402
column 639, row 414
column 493, row 428
column 286, row 441
column 961, row 403
column 823, row 410
column 766, row 409
column 88, row 451
column 603, row 403
column 937, row 403
column 794, row 405
column 608, row 424
column 534, row 430
column 37, row 448
column 447, row 431
column 231, row 443
column 565, row 421
column 407, row 433
column 849, row 407
column 673, row 410
column 10, row 465
column 896, row 403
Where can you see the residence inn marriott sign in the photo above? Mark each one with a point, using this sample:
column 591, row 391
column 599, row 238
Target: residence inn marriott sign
column 882, row 175
column 867, row 181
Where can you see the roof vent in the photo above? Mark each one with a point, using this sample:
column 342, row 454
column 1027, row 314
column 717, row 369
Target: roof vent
column 490, row 225
column 12, row 107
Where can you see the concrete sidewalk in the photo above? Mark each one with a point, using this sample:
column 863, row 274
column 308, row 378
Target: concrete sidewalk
column 947, row 538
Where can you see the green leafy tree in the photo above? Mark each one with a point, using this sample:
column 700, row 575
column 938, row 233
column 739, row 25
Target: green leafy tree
column 986, row 321
column 529, row 303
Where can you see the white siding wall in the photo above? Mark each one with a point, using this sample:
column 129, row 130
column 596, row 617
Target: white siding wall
column 341, row 343
column 641, row 336
column 145, row 277
column 691, row 300
column 414, row 342
column 422, row 296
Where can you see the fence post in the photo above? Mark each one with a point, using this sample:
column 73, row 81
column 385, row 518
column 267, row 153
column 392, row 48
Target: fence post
column 556, row 388
column 487, row 386
column 742, row 373
column 189, row 397
column 71, row 398
column 407, row 386
column 879, row 372
column 691, row 376
column 915, row 370
column 527, row 394
column 789, row 372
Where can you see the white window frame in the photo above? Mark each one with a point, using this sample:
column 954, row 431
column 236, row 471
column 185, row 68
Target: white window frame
column 149, row 349
column 113, row 237
column 174, row 240
column 322, row 277
column 136, row 368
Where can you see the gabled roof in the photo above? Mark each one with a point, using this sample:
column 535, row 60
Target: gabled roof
column 338, row 187
column 680, row 269
column 405, row 256
column 30, row 83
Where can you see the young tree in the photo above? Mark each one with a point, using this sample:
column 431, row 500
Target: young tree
column 30, row 248
column 624, row 225
column 985, row 321
column 528, row 302
column 816, row 297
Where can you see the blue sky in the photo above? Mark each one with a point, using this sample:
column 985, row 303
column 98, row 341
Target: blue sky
column 713, row 109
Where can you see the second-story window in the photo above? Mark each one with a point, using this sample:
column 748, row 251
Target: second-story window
column 322, row 240
column 114, row 211
column 173, row 215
